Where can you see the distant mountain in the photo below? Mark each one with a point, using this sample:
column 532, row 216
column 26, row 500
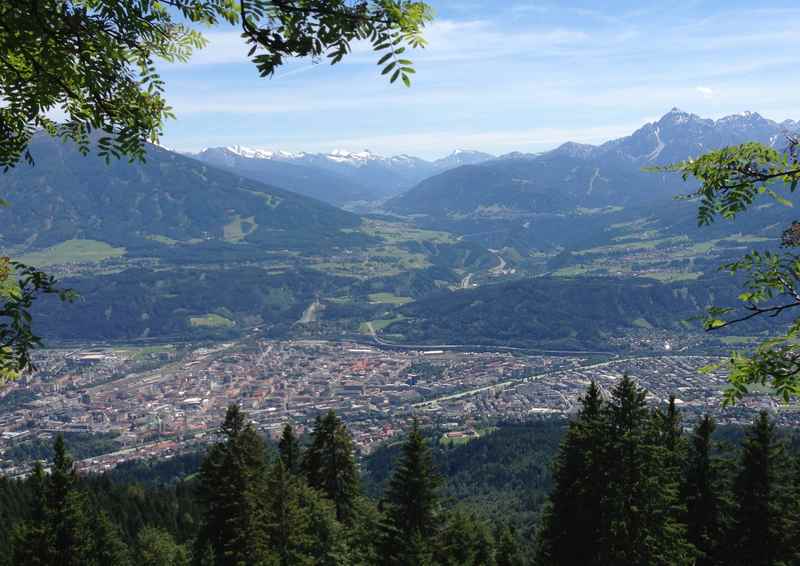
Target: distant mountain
column 579, row 175
column 461, row 157
column 286, row 171
column 167, row 201
column 336, row 177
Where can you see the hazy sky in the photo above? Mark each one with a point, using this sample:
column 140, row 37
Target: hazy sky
column 500, row 76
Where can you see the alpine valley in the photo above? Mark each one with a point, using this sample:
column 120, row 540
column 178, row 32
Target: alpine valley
column 401, row 250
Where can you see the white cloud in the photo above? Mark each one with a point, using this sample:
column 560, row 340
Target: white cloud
column 223, row 47
column 706, row 92
column 477, row 40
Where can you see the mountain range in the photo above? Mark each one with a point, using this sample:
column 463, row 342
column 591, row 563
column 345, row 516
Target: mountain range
column 580, row 175
column 224, row 241
column 337, row 177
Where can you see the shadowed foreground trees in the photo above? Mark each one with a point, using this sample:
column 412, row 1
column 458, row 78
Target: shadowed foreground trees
column 630, row 487
column 657, row 499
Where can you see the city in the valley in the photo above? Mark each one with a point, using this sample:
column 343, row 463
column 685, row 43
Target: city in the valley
column 158, row 401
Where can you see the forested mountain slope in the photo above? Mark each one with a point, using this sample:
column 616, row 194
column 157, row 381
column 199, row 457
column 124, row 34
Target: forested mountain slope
column 577, row 175
column 168, row 199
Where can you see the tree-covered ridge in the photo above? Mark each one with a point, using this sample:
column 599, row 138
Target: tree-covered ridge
column 557, row 311
column 170, row 198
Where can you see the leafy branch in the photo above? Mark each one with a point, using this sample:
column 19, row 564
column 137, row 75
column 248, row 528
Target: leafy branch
column 95, row 60
column 730, row 181
column 731, row 178
column 20, row 285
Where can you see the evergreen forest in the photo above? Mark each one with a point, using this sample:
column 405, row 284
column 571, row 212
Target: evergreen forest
column 621, row 483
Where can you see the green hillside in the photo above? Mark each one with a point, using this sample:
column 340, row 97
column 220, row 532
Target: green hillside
column 170, row 200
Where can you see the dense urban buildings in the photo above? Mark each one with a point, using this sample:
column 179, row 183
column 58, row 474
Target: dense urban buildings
column 159, row 400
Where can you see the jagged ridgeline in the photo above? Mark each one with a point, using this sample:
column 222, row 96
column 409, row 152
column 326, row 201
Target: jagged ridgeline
column 576, row 194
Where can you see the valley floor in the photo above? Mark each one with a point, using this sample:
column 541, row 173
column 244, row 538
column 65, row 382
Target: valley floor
column 165, row 399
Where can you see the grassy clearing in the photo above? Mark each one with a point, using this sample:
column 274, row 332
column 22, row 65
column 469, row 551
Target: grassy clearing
column 445, row 440
column 634, row 225
column 673, row 276
column 167, row 241
column 386, row 258
column 396, row 232
column 748, row 239
column 271, row 201
column 239, row 228
column 389, row 298
column 591, row 211
column 73, row 251
column 739, row 340
column 379, row 324
column 383, row 261
column 635, row 246
column 646, row 235
column 211, row 321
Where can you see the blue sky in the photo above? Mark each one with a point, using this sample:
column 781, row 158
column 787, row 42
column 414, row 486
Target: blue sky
column 500, row 76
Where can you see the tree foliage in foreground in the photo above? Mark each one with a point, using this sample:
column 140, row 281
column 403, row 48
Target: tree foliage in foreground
column 732, row 180
column 20, row 285
column 94, row 60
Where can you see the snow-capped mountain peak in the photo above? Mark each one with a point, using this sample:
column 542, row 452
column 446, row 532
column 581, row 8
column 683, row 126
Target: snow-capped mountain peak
column 259, row 153
column 356, row 158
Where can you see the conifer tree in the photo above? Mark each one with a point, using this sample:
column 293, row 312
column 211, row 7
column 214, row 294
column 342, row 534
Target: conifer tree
column 576, row 503
column 700, row 492
column 670, row 429
column 412, row 503
column 31, row 541
column 108, row 546
column 67, row 512
column 156, row 547
column 329, row 465
column 364, row 535
column 231, row 480
column 287, row 524
column 762, row 530
column 289, row 450
column 638, row 523
column 328, row 536
column 464, row 541
column 508, row 551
